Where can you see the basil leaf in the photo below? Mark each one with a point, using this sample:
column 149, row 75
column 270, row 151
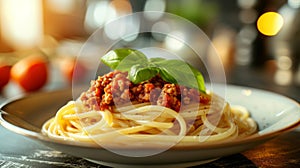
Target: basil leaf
column 140, row 73
column 123, row 59
column 200, row 79
column 164, row 74
column 177, row 71
column 141, row 69
column 153, row 60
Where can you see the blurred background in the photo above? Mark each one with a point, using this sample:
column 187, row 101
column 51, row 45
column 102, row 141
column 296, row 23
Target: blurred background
column 257, row 40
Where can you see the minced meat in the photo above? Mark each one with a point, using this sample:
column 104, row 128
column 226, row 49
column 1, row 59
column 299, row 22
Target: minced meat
column 115, row 88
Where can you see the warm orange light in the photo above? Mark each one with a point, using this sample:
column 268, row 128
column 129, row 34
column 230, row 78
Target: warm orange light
column 62, row 6
column 21, row 22
column 270, row 23
column 123, row 7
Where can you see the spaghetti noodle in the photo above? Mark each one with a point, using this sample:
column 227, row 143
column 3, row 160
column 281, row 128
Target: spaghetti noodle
column 99, row 116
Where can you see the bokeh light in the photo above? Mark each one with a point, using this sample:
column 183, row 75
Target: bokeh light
column 172, row 40
column 270, row 23
column 154, row 5
column 284, row 62
column 100, row 12
column 283, row 77
column 21, row 23
column 294, row 3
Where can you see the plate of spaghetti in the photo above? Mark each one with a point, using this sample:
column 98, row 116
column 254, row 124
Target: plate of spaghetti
column 146, row 114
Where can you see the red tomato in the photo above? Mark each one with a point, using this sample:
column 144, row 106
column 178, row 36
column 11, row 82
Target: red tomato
column 72, row 69
column 4, row 75
column 31, row 73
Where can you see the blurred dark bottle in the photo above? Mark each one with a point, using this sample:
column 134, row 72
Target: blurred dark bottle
column 286, row 43
column 254, row 46
column 261, row 51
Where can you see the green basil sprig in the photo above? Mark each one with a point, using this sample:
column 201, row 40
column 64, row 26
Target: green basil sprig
column 140, row 68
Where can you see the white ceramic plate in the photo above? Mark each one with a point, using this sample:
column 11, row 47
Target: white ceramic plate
column 275, row 114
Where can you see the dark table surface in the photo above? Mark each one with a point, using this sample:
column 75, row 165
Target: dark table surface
column 282, row 151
